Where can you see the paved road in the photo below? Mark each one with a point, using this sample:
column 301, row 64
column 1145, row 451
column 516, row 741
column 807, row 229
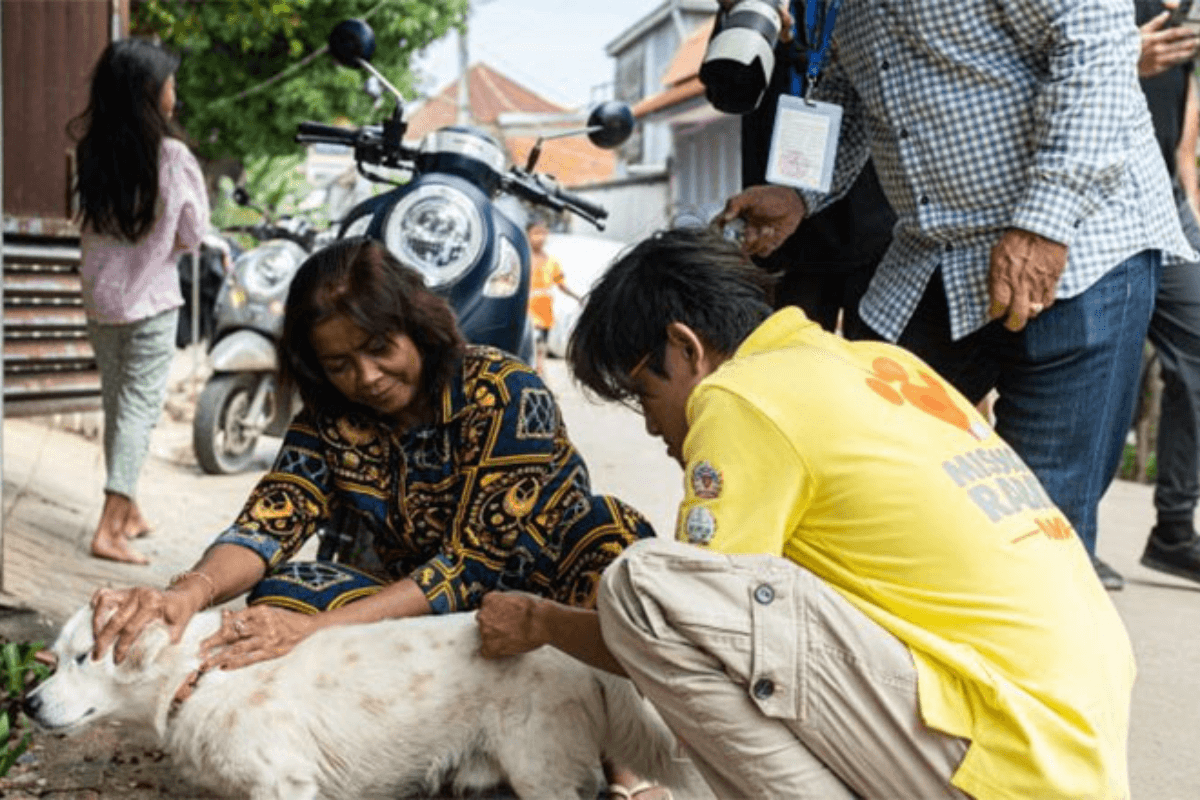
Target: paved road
column 53, row 489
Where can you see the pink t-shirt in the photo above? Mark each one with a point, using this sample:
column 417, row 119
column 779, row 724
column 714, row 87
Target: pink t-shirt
column 125, row 281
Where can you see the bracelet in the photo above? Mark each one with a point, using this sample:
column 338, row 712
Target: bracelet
column 212, row 586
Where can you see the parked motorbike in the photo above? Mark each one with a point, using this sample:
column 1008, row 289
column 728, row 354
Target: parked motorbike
column 240, row 401
column 446, row 220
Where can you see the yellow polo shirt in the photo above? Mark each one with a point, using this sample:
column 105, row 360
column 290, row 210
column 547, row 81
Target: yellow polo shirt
column 854, row 460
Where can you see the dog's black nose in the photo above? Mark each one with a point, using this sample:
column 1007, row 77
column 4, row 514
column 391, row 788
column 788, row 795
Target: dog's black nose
column 31, row 705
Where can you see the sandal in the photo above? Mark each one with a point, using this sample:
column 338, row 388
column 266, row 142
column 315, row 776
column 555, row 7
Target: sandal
column 618, row 792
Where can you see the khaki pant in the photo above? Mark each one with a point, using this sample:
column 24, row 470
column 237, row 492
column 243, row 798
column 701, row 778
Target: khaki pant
column 775, row 684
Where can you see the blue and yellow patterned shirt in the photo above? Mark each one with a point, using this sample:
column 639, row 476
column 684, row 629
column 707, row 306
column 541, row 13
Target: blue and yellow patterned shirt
column 492, row 495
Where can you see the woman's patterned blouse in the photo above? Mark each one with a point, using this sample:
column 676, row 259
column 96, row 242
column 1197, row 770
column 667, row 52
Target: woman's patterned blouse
column 492, row 495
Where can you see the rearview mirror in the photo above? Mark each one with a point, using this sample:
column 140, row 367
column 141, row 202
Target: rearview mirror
column 352, row 41
column 610, row 124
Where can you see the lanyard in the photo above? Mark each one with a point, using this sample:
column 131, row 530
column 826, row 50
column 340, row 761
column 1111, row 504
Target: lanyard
column 817, row 17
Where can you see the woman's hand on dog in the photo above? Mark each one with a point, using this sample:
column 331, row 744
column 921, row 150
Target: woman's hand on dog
column 254, row 634
column 509, row 624
column 120, row 616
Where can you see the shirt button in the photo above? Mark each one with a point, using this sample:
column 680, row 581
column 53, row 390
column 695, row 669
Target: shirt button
column 885, row 65
column 764, row 594
column 924, row 199
column 949, row 247
column 904, row 133
column 764, row 688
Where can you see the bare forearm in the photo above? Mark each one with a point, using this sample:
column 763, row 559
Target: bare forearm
column 1185, row 153
column 576, row 632
column 224, row 572
column 400, row 599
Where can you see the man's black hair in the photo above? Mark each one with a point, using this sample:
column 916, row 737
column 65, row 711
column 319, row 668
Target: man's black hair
column 688, row 275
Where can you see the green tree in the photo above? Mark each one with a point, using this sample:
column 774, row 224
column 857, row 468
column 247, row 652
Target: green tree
column 253, row 69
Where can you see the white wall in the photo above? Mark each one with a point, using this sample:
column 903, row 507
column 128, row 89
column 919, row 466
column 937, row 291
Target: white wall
column 706, row 168
column 636, row 208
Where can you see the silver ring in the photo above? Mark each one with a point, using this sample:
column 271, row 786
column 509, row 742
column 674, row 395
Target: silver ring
column 239, row 627
column 1036, row 308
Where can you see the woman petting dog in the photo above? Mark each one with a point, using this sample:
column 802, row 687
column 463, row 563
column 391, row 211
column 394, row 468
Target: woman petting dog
column 434, row 472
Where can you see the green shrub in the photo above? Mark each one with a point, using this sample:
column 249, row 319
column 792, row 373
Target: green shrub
column 19, row 672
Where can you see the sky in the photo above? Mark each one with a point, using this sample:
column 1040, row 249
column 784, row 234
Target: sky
column 554, row 47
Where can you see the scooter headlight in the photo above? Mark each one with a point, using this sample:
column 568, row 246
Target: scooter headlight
column 438, row 231
column 266, row 271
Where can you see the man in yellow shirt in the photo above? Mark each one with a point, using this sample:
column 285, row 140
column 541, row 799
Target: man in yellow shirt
column 872, row 595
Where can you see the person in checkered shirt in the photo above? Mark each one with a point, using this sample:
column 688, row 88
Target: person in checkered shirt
column 1035, row 214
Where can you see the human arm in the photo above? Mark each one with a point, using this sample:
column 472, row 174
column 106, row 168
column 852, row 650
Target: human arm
column 511, row 623
column 1163, row 47
column 560, row 280
column 772, row 213
column 182, row 185
column 1085, row 91
column 1185, row 153
column 258, row 633
column 745, row 486
column 120, row 615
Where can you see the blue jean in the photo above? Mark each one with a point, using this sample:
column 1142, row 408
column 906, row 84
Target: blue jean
column 1175, row 334
column 1067, row 382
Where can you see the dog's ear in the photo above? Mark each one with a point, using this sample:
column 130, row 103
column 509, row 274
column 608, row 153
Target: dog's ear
column 147, row 648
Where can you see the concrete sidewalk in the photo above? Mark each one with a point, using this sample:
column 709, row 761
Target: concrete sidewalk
column 53, row 483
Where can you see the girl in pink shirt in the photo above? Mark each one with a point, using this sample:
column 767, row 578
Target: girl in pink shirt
column 143, row 203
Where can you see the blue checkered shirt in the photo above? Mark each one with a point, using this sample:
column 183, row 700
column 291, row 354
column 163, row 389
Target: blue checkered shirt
column 983, row 115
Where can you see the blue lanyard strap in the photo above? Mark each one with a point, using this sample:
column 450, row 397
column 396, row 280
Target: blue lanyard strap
column 817, row 16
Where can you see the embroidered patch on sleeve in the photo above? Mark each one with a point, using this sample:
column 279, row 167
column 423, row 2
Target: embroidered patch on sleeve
column 700, row 525
column 706, row 481
column 538, row 415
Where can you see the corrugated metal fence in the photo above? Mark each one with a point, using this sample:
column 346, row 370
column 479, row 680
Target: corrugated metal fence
column 49, row 366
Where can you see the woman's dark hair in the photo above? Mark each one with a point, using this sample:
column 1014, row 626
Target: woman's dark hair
column 688, row 275
column 123, row 128
column 358, row 278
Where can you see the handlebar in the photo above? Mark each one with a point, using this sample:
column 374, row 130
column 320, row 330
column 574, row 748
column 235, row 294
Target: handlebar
column 263, row 231
column 319, row 132
column 589, row 209
column 371, row 146
column 530, row 187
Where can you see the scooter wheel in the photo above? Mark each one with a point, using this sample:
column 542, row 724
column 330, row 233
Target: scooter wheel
column 223, row 438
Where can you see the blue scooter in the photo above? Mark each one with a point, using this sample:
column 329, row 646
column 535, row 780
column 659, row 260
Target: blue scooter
column 444, row 221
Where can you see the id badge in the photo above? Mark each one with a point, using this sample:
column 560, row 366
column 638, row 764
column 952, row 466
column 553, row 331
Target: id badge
column 804, row 144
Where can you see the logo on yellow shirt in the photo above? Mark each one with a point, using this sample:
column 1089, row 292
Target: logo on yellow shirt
column 930, row 395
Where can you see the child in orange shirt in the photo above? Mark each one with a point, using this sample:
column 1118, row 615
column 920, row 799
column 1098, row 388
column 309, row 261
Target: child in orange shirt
column 544, row 274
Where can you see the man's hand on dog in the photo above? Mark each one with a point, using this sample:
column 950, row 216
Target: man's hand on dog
column 254, row 634
column 120, row 615
column 509, row 624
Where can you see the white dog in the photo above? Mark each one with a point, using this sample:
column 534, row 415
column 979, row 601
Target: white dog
column 365, row 711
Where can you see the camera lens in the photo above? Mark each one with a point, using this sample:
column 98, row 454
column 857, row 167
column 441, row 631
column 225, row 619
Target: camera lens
column 740, row 57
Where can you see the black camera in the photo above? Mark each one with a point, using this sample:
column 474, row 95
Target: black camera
column 740, row 56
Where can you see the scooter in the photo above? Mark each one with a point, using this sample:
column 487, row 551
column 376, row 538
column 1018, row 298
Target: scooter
column 240, row 401
column 446, row 220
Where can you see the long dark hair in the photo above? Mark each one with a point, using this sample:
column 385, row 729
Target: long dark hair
column 358, row 278
column 123, row 128
column 683, row 275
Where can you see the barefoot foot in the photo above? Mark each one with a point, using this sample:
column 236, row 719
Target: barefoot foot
column 117, row 549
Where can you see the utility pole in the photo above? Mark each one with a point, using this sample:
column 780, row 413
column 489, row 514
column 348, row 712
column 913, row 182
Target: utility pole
column 464, row 66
